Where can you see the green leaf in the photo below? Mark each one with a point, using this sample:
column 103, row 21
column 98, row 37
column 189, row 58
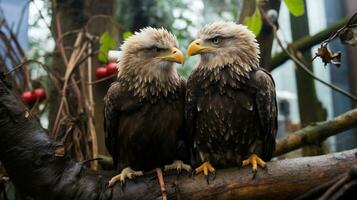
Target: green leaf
column 106, row 43
column 296, row 7
column 254, row 22
column 127, row 34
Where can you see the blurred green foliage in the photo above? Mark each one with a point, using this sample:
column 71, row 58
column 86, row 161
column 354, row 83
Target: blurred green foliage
column 296, row 7
column 107, row 43
column 254, row 22
column 127, row 34
column 135, row 14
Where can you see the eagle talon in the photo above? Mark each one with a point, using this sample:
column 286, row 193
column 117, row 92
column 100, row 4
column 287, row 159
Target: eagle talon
column 266, row 168
column 255, row 161
column 207, row 169
column 214, row 175
column 126, row 173
column 254, row 174
column 122, row 185
column 178, row 165
column 211, row 176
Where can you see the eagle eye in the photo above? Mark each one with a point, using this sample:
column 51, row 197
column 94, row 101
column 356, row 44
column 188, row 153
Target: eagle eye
column 216, row 40
column 157, row 49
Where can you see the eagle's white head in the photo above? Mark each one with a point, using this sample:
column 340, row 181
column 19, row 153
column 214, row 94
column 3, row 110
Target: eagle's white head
column 150, row 54
column 225, row 43
column 147, row 64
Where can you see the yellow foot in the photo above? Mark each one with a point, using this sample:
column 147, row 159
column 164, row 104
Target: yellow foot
column 254, row 160
column 126, row 173
column 206, row 168
column 178, row 165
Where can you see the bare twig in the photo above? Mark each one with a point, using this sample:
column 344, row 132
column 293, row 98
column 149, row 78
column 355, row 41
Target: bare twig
column 160, row 177
column 89, row 101
column 332, row 190
column 66, row 34
column 335, row 34
column 42, row 16
column 22, row 17
column 305, row 43
column 101, row 80
column 302, row 65
column 109, row 17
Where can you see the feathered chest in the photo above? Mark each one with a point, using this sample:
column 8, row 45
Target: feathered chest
column 223, row 80
column 152, row 91
column 226, row 115
column 223, row 92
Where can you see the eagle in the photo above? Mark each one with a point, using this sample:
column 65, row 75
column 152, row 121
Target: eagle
column 231, row 108
column 144, row 107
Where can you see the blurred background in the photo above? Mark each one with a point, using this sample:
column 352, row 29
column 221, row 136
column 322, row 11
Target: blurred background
column 42, row 42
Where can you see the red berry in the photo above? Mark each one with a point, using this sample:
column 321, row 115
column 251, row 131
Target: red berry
column 28, row 97
column 101, row 72
column 112, row 68
column 40, row 94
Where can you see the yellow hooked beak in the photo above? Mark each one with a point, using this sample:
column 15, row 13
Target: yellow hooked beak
column 197, row 47
column 175, row 55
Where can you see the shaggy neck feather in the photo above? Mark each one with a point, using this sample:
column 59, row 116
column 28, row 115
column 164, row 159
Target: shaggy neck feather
column 149, row 80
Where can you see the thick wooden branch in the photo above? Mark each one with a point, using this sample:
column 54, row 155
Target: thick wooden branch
column 30, row 159
column 316, row 132
column 313, row 134
column 306, row 43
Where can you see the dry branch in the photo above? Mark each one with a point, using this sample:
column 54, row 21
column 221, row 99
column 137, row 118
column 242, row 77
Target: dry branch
column 316, row 132
column 313, row 134
column 306, row 43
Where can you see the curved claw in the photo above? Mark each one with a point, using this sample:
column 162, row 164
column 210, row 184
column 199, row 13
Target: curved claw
column 178, row 165
column 255, row 161
column 207, row 170
column 208, row 177
column 126, row 173
column 254, row 174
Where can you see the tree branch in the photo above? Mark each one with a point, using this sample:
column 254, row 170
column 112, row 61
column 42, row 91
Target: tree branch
column 302, row 66
column 316, row 132
column 306, row 43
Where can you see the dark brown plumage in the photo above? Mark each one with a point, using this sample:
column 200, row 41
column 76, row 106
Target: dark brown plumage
column 231, row 114
column 144, row 108
column 143, row 133
column 230, row 105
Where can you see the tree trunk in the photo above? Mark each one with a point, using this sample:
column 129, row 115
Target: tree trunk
column 134, row 15
column 98, row 27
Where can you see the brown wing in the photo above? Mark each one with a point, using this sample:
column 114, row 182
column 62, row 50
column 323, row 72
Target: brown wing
column 116, row 101
column 266, row 106
column 191, row 110
column 111, row 121
column 185, row 146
